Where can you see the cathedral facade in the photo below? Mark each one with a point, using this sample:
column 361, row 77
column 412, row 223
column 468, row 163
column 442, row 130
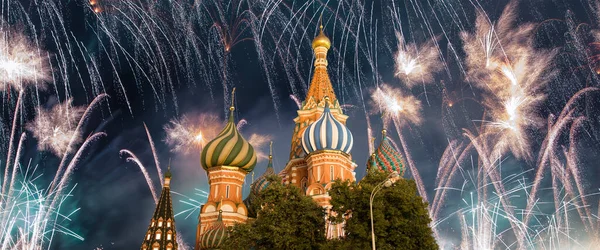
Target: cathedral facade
column 320, row 154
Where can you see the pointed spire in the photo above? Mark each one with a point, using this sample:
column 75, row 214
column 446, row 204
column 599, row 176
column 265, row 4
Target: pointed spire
column 168, row 175
column 320, row 86
column 270, row 165
column 232, row 107
column 163, row 219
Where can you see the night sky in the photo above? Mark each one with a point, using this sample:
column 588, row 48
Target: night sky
column 152, row 80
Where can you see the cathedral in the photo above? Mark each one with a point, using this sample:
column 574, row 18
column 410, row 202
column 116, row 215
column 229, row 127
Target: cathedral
column 320, row 154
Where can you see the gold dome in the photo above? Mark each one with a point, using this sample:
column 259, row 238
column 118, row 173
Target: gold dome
column 321, row 40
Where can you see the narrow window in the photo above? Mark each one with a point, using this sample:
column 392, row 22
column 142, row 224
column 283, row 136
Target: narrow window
column 168, row 224
column 227, row 191
column 169, row 235
column 157, row 235
column 148, row 236
column 331, row 173
column 160, row 223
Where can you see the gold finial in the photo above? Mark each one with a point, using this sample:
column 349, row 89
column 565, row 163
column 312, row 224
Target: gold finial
column 271, row 150
column 321, row 40
column 383, row 132
column 232, row 107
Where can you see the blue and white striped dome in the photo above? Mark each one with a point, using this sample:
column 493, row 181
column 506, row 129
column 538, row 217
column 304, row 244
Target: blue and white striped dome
column 327, row 133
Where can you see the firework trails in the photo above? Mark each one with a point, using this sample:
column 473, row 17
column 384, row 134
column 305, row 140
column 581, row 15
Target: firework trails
column 494, row 112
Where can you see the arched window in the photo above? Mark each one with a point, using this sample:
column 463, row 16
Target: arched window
column 160, row 221
column 158, row 234
column 169, row 235
column 169, row 223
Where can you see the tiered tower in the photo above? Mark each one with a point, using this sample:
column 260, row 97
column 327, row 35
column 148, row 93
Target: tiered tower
column 161, row 234
column 321, row 142
column 227, row 159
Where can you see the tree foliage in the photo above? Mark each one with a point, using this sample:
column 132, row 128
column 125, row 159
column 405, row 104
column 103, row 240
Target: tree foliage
column 400, row 216
column 286, row 219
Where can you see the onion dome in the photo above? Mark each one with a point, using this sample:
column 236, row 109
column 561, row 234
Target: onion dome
column 386, row 158
column 321, row 40
column 215, row 235
column 259, row 185
column 327, row 133
column 229, row 148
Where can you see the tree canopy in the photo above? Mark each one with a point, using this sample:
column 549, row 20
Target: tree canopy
column 400, row 216
column 286, row 219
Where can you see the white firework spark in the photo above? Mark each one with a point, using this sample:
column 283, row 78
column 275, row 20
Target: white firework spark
column 187, row 135
column 417, row 64
column 56, row 127
column 21, row 64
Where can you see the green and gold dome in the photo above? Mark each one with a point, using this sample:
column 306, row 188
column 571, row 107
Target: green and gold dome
column 229, row 148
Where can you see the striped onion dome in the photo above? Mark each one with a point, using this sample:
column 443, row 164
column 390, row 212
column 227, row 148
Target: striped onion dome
column 258, row 185
column 327, row 133
column 386, row 158
column 215, row 235
column 229, row 148
column 262, row 183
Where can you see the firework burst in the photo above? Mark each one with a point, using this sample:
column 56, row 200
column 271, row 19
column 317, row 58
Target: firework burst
column 189, row 133
column 20, row 63
column 417, row 64
column 396, row 105
column 55, row 128
column 502, row 61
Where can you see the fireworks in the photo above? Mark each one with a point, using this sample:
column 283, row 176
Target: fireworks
column 501, row 60
column 20, row 63
column 417, row 64
column 396, row 105
column 56, row 128
column 259, row 142
column 33, row 214
column 157, row 50
column 187, row 135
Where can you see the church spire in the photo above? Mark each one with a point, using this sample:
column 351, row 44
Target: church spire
column 161, row 233
column 320, row 86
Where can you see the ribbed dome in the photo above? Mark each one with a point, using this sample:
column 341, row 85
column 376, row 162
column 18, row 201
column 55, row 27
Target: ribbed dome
column 229, row 148
column 321, row 40
column 327, row 133
column 386, row 158
column 215, row 235
column 262, row 183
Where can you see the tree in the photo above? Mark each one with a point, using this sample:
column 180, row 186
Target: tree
column 400, row 216
column 286, row 219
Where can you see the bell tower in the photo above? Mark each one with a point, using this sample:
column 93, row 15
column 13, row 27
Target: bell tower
column 227, row 160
